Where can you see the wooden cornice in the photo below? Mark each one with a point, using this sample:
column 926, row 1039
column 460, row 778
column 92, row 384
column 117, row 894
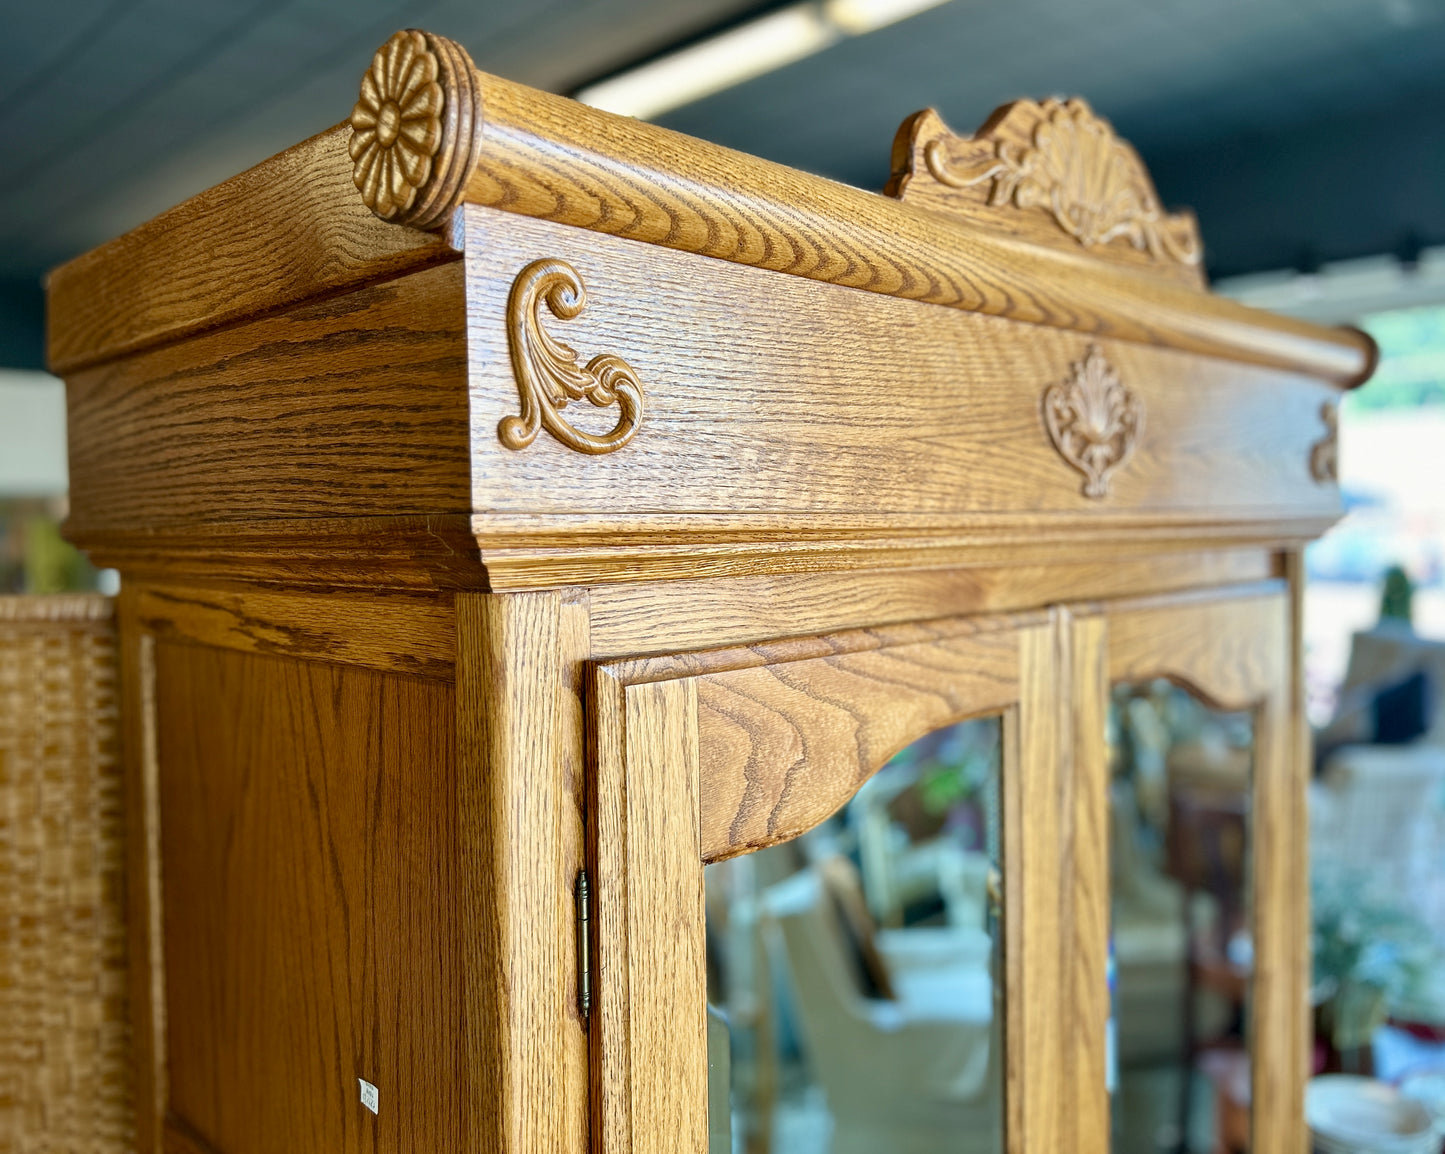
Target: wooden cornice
column 298, row 226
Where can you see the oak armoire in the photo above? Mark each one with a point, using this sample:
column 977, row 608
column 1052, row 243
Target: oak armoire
column 521, row 508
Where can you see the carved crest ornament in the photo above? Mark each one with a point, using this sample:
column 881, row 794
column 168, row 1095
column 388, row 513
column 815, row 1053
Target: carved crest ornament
column 1093, row 421
column 1060, row 158
column 547, row 373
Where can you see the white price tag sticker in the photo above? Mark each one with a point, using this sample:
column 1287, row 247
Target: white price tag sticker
column 370, row 1096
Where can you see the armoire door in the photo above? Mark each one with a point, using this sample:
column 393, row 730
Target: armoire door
column 705, row 758
column 796, row 756
column 1191, row 810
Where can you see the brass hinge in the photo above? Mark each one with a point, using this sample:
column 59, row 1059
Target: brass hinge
column 584, row 954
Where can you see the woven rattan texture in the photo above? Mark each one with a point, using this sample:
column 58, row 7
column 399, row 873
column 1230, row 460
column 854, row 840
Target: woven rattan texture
column 64, row 1079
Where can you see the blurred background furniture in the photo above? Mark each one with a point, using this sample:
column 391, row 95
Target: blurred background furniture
column 915, row 1072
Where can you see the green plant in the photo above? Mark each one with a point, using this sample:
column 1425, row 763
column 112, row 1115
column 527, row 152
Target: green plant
column 1397, row 599
column 1366, row 952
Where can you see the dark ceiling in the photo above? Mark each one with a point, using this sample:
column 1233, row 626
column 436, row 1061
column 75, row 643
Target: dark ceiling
column 1301, row 130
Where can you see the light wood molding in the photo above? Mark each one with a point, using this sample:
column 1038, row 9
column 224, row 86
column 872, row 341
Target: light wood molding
column 414, row 635
column 291, row 229
column 544, row 156
column 663, row 617
column 1094, row 420
column 282, row 417
column 546, row 370
column 1054, row 172
column 536, row 554
column 298, row 227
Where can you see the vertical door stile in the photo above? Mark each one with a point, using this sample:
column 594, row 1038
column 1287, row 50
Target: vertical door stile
column 1034, row 777
column 665, row 920
column 1086, row 873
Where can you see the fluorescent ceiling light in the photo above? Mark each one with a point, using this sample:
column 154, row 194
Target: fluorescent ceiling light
column 749, row 50
column 856, row 17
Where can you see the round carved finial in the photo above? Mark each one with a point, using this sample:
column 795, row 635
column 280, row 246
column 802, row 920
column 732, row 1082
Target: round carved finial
column 414, row 128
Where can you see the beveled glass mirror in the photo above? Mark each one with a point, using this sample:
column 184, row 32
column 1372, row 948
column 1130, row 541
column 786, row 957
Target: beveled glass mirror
column 1181, row 943
column 855, row 974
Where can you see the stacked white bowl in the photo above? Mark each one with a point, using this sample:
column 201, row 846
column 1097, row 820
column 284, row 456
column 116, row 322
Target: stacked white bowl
column 1352, row 1115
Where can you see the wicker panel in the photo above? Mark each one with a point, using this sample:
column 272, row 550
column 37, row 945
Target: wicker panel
column 64, row 1046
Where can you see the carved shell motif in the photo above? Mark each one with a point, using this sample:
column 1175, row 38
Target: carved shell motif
column 1057, row 157
column 1093, row 421
column 547, row 373
column 396, row 125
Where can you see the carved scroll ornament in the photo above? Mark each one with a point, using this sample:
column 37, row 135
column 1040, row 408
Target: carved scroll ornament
column 1324, row 453
column 1056, row 157
column 1093, row 421
column 547, row 373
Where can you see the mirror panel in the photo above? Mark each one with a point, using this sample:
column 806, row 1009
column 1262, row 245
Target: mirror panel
column 1180, row 948
column 855, row 975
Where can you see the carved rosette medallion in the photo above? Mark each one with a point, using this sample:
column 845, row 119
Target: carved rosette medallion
column 1324, row 453
column 396, row 125
column 414, row 127
column 547, row 373
column 1093, row 421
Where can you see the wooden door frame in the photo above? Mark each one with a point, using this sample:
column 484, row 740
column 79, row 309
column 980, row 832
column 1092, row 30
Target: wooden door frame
column 1233, row 648
column 670, row 793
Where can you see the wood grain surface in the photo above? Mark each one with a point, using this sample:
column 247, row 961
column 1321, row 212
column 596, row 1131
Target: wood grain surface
column 775, row 403
column 404, row 553
column 296, row 226
column 354, row 406
column 664, row 616
column 526, row 552
column 391, row 634
column 520, row 744
column 667, row 1035
column 291, row 228
column 145, row 944
column 785, row 744
column 1035, row 827
column 1227, row 646
column 308, row 822
column 547, row 157
column 1085, row 916
column 648, row 1024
